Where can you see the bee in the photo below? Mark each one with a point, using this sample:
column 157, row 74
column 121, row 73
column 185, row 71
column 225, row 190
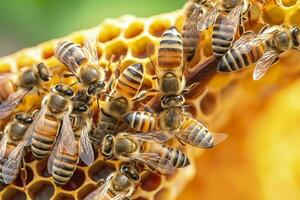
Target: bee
column 125, row 90
column 263, row 49
column 118, row 186
column 12, row 145
column 72, row 143
column 56, row 107
column 14, row 86
column 146, row 148
column 83, row 64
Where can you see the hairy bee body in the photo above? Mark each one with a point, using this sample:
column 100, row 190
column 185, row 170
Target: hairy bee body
column 141, row 121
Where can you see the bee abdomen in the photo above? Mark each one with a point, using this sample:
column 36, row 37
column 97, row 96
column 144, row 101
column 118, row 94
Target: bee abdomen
column 190, row 42
column 64, row 166
column 65, row 48
column 6, row 88
column 130, row 80
column 177, row 158
column 141, row 121
column 2, row 162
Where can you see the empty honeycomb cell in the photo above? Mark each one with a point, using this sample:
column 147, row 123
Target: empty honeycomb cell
column 100, row 170
column 139, row 47
column 14, row 194
column 63, row 196
column 295, row 18
column 150, row 181
column 159, row 26
column 162, row 194
column 134, row 29
column 47, row 50
column 108, row 32
column 25, row 61
column 116, row 49
column 273, row 14
column 76, row 181
column 86, row 190
column 208, row 103
column 41, row 190
column 18, row 182
column 5, row 67
column 41, row 168
column 288, row 3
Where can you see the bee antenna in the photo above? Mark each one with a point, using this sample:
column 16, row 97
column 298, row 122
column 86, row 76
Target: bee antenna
column 73, row 84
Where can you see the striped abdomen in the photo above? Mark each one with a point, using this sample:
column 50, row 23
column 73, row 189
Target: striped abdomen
column 66, row 49
column 196, row 134
column 64, row 166
column 170, row 51
column 235, row 59
column 141, row 121
column 130, row 81
column 6, row 89
column 177, row 158
column 222, row 37
column 9, row 149
column 44, row 137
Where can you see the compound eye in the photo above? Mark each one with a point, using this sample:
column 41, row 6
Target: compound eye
column 69, row 93
column 82, row 108
column 58, row 88
column 125, row 169
column 29, row 120
column 102, row 84
column 19, row 117
column 109, row 138
column 135, row 177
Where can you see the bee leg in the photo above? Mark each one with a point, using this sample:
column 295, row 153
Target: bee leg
column 23, row 172
column 189, row 88
column 67, row 74
column 181, row 142
column 144, row 94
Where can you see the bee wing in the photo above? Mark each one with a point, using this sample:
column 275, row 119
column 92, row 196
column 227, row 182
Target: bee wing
column 12, row 165
column 163, row 165
column 68, row 138
column 86, row 152
column 207, row 18
column 58, row 148
column 68, row 59
column 11, row 102
column 264, row 64
column 99, row 193
column 120, row 196
column 233, row 18
column 3, row 144
column 38, row 121
column 219, row 137
column 90, row 48
column 4, row 77
column 155, row 136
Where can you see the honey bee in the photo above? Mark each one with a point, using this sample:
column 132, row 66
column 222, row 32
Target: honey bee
column 146, row 148
column 56, row 107
column 118, row 186
column 12, row 145
column 72, row 143
column 83, row 63
column 14, row 86
column 125, row 90
column 227, row 19
column 263, row 49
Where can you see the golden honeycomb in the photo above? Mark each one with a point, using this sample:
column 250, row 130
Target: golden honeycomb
column 231, row 103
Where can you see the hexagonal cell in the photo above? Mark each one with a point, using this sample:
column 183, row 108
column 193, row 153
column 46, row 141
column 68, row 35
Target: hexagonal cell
column 25, row 61
column 150, row 181
column 18, row 182
column 139, row 47
column 76, row 180
column 41, row 190
column 273, row 14
column 288, row 3
column 134, row 29
column 208, row 103
column 14, row 194
column 41, row 168
column 116, row 49
column 162, row 194
column 63, row 196
column 108, row 32
column 47, row 50
column 86, row 190
column 159, row 26
column 295, row 18
column 100, row 170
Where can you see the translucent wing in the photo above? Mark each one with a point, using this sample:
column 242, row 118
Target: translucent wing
column 68, row 137
column 90, row 49
column 99, row 193
column 68, row 59
column 3, row 144
column 233, row 18
column 12, row 165
column 11, row 102
column 155, row 136
column 264, row 64
column 4, row 77
column 163, row 165
column 207, row 18
column 86, row 152
column 38, row 122
column 58, row 148
column 219, row 137
column 119, row 196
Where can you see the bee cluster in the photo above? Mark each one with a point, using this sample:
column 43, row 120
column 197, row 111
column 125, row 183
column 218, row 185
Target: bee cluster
column 124, row 126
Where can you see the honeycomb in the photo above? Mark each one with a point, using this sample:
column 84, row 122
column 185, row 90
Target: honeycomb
column 218, row 101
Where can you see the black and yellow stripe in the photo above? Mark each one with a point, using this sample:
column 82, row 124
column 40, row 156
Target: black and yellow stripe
column 67, row 49
column 141, row 121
